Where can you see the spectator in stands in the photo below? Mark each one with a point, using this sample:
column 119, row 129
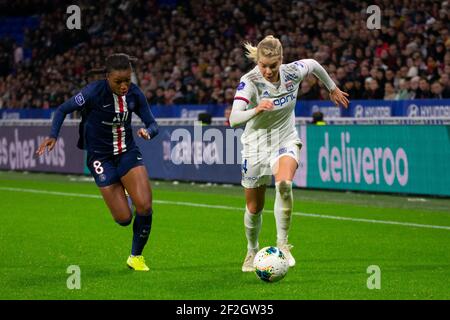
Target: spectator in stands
column 306, row 92
column 445, row 83
column 389, row 91
column 436, row 90
column 403, row 92
column 317, row 119
column 424, row 90
column 414, row 87
column 349, row 87
column 374, row 91
column 158, row 99
column 406, row 46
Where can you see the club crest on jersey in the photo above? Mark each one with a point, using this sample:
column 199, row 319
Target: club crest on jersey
column 241, row 86
column 289, row 85
column 79, row 99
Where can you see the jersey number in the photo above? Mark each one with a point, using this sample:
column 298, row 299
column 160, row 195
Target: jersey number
column 244, row 166
column 98, row 167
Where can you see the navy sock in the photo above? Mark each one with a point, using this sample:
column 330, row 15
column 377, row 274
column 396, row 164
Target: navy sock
column 141, row 231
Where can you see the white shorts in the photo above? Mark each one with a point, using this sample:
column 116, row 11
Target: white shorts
column 257, row 170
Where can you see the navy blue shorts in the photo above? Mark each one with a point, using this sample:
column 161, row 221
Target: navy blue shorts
column 108, row 170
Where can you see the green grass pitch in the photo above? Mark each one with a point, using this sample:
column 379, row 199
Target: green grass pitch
column 197, row 244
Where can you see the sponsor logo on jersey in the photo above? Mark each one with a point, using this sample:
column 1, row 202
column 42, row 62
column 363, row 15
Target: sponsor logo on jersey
column 250, row 178
column 241, row 86
column 120, row 118
column 283, row 100
column 282, row 150
column 79, row 99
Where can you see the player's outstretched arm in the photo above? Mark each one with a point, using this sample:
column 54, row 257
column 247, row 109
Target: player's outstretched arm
column 76, row 102
column 48, row 143
column 336, row 95
column 151, row 129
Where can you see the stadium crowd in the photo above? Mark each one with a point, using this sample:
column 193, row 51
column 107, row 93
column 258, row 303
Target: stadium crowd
column 192, row 53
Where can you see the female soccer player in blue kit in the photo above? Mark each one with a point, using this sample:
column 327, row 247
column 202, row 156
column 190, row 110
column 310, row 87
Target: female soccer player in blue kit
column 112, row 155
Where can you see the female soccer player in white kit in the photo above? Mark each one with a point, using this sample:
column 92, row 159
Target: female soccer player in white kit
column 265, row 101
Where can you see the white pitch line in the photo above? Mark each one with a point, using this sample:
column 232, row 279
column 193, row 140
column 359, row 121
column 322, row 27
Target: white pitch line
column 210, row 206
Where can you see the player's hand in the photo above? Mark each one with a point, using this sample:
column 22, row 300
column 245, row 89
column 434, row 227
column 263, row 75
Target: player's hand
column 264, row 105
column 48, row 143
column 339, row 97
column 143, row 133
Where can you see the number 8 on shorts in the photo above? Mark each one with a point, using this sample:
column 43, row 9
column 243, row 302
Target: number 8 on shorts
column 98, row 167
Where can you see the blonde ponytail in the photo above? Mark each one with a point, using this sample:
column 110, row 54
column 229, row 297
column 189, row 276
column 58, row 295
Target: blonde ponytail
column 267, row 47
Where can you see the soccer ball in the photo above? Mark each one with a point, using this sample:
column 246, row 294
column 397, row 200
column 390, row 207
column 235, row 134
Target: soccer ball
column 270, row 264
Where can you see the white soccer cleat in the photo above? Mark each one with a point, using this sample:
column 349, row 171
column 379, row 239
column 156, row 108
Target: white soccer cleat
column 248, row 262
column 286, row 248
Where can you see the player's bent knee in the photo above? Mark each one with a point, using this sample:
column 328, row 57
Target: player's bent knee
column 124, row 223
column 144, row 207
column 284, row 187
column 144, row 211
column 254, row 208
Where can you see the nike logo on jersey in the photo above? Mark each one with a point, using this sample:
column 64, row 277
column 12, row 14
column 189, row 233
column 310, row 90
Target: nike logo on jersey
column 139, row 158
column 106, row 105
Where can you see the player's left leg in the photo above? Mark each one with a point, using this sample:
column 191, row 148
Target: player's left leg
column 137, row 184
column 284, row 171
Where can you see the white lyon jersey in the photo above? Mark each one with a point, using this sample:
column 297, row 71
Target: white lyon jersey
column 278, row 124
column 275, row 128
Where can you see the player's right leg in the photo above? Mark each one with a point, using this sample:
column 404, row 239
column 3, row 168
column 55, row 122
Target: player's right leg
column 105, row 174
column 256, row 175
column 115, row 199
column 252, row 222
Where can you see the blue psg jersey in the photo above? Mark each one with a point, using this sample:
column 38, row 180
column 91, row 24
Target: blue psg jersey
column 106, row 123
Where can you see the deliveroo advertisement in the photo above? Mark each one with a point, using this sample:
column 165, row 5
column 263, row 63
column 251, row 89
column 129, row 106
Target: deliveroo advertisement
column 383, row 158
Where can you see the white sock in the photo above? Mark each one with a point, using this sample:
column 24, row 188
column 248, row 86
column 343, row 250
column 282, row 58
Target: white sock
column 283, row 209
column 252, row 223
